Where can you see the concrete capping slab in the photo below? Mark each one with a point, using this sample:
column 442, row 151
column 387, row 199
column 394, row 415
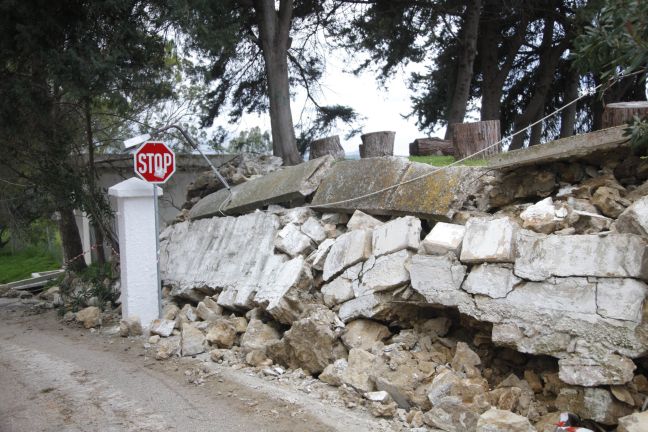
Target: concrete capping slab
column 573, row 147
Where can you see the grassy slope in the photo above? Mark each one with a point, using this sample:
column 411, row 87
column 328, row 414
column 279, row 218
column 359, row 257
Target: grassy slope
column 445, row 160
column 22, row 264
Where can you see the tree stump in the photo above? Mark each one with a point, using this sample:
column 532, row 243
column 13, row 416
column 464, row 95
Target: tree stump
column 376, row 144
column 469, row 138
column 431, row 147
column 619, row 113
column 326, row 146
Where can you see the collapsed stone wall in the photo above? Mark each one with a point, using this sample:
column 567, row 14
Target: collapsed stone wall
column 363, row 303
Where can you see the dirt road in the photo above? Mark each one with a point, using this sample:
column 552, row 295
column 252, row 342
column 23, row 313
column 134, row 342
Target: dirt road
column 54, row 377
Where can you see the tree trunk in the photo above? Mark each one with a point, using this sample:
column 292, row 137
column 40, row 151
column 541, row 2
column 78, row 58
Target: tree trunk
column 327, row 146
column 469, row 138
column 468, row 51
column 619, row 113
column 377, row 144
column 568, row 116
column 99, row 241
column 431, row 147
column 549, row 57
column 274, row 28
column 71, row 240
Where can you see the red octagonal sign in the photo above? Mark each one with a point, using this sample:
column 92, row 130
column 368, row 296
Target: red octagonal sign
column 154, row 162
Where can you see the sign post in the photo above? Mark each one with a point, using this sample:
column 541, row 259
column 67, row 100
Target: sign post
column 154, row 162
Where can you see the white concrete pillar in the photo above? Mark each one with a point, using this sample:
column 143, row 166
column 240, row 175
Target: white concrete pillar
column 83, row 224
column 140, row 290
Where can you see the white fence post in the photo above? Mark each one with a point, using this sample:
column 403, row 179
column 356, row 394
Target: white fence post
column 136, row 222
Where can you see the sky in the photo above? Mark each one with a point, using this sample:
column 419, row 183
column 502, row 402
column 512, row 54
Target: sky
column 382, row 107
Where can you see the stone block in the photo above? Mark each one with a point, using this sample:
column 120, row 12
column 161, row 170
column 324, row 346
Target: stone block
column 290, row 184
column 372, row 305
column 571, row 295
column 496, row 420
column 637, row 422
column 492, row 280
column 489, row 241
column 348, row 249
column 385, row 272
column 634, row 219
column 439, row 279
column 290, row 240
column 288, row 291
column 361, row 220
column 396, row 235
column 363, row 334
column 314, row 229
column 444, row 238
column 621, row 299
column 162, row 327
column 612, row 369
column 341, row 289
column 614, row 255
column 317, row 258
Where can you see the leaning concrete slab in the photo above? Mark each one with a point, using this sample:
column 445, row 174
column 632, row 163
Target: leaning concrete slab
column 571, row 148
column 436, row 196
column 290, row 184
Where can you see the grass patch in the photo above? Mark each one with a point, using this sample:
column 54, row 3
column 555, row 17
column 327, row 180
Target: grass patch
column 22, row 264
column 446, row 160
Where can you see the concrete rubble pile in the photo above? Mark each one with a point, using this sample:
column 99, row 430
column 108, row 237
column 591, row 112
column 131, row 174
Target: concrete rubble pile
column 496, row 318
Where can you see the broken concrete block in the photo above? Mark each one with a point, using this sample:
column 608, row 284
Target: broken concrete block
column 339, row 289
column 312, row 343
column 492, row 280
column 297, row 215
column 292, row 183
column 396, row 235
column 90, row 317
column 258, row 336
column 444, row 238
column 363, row 334
column 544, row 217
column 201, row 257
column 287, row 291
column 614, row 255
column 612, row 369
column 637, row 422
column 335, row 218
column 621, row 299
column 221, row 334
column 192, row 341
column 162, row 327
column 170, row 311
column 609, row 201
column 496, row 420
column 385, row 272
column 292, row 241
column 167, row 348
column 317, row 258
column 314, row 229
column 357, row 374
column 348, row 249
column 489, row 241
column 361, row 220
column 438, row 279
column 206, row 313
column 571, row 295
column 367, row 306
column 634, row 219
column 592, row 403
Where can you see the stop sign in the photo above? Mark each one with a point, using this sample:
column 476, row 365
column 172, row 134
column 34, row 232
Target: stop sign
column 154, row 162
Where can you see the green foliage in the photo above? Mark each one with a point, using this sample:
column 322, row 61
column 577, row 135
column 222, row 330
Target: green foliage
column 638, row 133
column 22, row 264
column 251, row 141
column 94, row 281
column 445, row 160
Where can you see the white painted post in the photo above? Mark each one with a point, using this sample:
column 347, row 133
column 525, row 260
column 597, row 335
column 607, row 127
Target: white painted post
column 137, row 225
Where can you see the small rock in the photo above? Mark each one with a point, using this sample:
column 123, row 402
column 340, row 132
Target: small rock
column 332, row 374
column 90, row 317
column 465, row 360
column 170, row 311
column 444, row 238
column 383, row 410
column 69, row 316
column 162, row 327
column 634, row 219
column 378, row 396
column 130, row 326
column 314, row 229
column 495, row 420
column 206, row 313
column 363, row 334
column 192, row 341
column 222, row 334
column 257, row 358
column 240, row 324
column 637, row 422
column 154, row 339
column 292, row 241
column 258, row 336
column 168, row 347
column 609, row 201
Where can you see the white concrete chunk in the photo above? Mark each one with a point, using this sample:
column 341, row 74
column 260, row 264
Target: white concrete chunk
column 314, row 229
column 367, row 306
column 614, row 255
column 362, row 221
column 162, row 327
column 634, row 219
column 292, row 241
column 439, row 279
column 444, row 238
column 396, row 235
column 491, row 280
column 572, row 295
column 317, row 258
column 338, row 291
column 385, row 272
column 621, row 298
column 348, row 249
column 489, row 241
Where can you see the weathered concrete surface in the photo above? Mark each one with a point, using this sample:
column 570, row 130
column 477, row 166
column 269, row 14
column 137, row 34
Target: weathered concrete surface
column 437, row 196
column 289, row 184
column 615, row 255
column 348, row 249
column 444, row 238
column 574, row 147
column 489, row 241
column 208, row 255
